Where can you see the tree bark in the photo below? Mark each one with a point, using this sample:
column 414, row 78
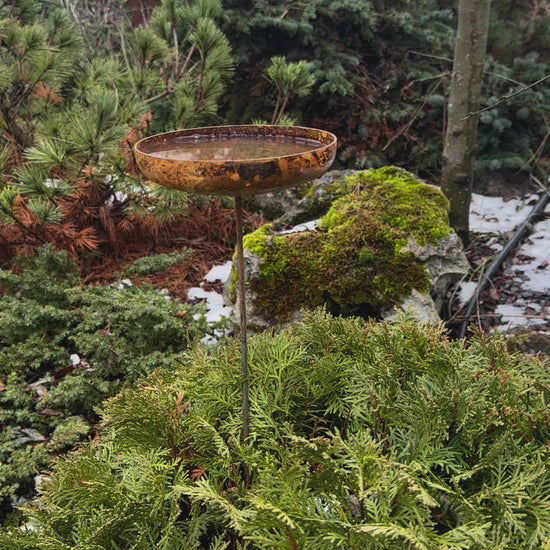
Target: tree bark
column 461, row 133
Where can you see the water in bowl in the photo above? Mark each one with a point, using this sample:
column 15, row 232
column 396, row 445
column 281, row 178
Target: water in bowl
column 232, row 148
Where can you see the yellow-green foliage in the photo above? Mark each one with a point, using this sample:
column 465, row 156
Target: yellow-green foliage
column 355, row 261
column 363, row 435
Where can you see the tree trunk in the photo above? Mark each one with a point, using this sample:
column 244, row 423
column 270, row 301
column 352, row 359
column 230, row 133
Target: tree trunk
column 460, row 138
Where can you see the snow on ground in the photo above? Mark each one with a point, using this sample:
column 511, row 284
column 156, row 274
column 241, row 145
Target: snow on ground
column 494, row 215
column 466, row 291
column 307, row 226
column 538, row 248
column 513, row 315
column 532, row 275
column 216, row 309
column 219, row 273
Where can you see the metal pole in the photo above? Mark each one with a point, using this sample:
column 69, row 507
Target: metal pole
column 242, row 316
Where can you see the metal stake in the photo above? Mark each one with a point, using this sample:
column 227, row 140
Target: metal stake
column 242, row 316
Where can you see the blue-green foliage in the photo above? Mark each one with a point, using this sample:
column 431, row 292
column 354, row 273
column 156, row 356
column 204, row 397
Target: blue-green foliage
column 115, row 335
column 511, row 132
column 367, row 59
column 383, row 74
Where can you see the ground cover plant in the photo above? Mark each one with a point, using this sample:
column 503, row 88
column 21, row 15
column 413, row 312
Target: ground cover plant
column 363, row 435
column 64, row 348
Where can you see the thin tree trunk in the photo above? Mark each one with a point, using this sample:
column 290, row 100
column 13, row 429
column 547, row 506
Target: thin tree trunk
column 460, row 136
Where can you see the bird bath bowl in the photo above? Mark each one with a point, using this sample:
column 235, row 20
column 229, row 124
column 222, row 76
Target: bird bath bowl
column 237, row 161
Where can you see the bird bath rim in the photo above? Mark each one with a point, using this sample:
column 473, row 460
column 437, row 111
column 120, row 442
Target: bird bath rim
column 236, row 177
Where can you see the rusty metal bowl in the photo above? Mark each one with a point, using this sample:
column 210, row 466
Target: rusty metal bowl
column 236, row 176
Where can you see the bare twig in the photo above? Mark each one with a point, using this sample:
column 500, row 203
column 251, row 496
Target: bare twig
column 125, row 55
column 176, row 50
column 439, row 58
column 186, row 62
column 510, row 96
column 158, row 96
column 539, row 149
column 418, row 110
column 276, row 109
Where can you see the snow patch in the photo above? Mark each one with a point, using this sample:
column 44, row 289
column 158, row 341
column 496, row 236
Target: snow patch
column 219, row 273
column 538, row 269
column 215, row 307
column 514, row 316
column 466, row 291
column 494, row 215
column 307, row 226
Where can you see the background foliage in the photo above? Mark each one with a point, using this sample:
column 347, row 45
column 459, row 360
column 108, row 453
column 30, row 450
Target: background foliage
column 382, row 74
column 73, row 100
column 80, row 83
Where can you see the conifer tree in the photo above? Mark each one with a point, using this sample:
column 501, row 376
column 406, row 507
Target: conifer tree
column 71, row 114
column 37, row 59
column 289, row 79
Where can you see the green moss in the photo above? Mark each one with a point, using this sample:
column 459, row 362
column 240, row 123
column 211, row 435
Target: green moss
column 256, row 242
column 261, row 244
column 355, row 262
column 397, row 199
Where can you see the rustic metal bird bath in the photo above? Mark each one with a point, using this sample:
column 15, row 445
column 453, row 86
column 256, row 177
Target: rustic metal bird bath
column 238, row 161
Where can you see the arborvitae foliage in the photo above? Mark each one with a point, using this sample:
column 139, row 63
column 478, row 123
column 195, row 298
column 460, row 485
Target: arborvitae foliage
column 382, row 436
column 64, row 348
column 70, row 114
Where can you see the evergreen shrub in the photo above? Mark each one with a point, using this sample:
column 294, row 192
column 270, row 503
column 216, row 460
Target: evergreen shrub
column 363, row 435
column 78, row 87
column 382, row 76
column 157, row 263
column 64, row 348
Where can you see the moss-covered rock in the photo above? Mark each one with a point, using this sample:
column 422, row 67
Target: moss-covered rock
column 295, row 205
column 358, row 259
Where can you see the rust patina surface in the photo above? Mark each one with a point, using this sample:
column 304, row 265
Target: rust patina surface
column 240, row 176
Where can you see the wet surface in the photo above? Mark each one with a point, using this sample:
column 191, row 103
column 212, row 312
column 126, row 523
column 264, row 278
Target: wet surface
column 233, row 148
column 203, row 173
column 517, row 301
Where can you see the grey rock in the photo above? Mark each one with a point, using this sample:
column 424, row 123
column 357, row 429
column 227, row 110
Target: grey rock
column 251, row 267
column 445, row 263
column 298, row 204
column 315, row 202
column 421, row 306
